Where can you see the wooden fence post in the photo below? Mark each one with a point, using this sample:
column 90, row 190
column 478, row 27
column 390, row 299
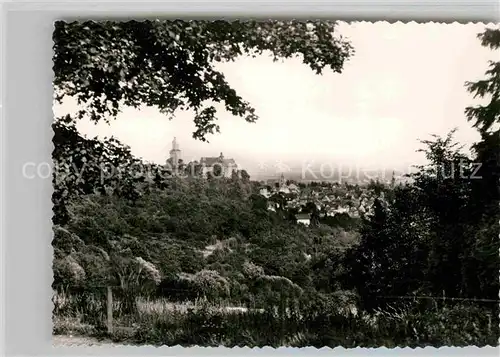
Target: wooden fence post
column 110, row 310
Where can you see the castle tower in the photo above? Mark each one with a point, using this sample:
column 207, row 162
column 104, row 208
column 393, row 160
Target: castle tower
column 175, row 154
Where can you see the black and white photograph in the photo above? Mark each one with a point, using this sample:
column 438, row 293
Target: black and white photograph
column 281, row 183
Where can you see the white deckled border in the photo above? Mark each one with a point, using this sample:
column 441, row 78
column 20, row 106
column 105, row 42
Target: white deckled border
column 27, row 108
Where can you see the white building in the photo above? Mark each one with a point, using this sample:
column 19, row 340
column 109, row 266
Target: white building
column 265, row 192
column 303, row 218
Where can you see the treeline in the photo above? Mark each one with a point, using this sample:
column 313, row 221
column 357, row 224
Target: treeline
column 434, row 237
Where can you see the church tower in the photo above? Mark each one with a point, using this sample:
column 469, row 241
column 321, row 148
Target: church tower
column 282, row 182
column 175, row 155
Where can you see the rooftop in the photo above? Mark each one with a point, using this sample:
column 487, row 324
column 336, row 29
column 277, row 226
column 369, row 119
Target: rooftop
column 303, row 216
column 209, row 161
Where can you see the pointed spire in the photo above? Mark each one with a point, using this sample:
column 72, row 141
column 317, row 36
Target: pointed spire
column 175, row 145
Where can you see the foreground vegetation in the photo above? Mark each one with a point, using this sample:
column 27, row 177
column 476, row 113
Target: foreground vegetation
column 160, row 322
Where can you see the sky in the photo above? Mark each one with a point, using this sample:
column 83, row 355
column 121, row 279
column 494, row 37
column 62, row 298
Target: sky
column 404, row 82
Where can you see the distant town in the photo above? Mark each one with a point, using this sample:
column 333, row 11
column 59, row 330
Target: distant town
column 303, row 198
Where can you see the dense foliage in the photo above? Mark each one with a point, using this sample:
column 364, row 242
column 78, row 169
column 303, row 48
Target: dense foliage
column 171, row 64
column 444, row 246
column 196, row 225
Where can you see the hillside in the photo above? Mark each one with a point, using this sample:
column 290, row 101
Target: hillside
column 198, row 226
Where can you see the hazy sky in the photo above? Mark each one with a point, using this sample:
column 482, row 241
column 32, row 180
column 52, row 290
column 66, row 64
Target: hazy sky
column 404, row 82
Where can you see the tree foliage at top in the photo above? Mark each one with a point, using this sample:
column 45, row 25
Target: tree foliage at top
column 171, row 64
column 484, row 117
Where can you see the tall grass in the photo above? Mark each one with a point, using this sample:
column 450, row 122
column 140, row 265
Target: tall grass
column 161, row 322
column 457, row 326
